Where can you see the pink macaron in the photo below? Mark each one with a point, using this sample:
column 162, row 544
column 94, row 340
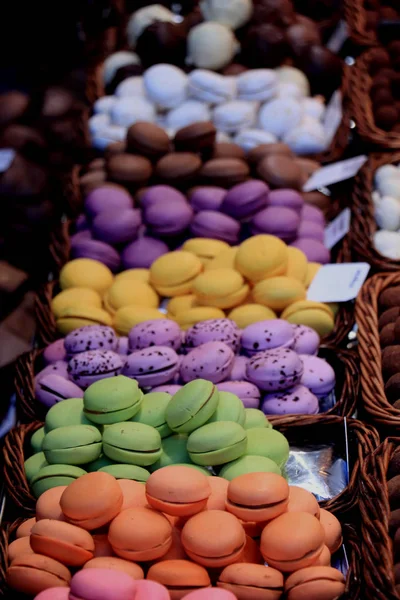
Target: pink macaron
column 102, row 584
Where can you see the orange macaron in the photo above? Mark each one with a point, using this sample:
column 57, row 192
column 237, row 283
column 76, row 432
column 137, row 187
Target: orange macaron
column 314, row 582
column 300, row 500
column 48, row 504
column 71, row 545
column 134, row 493
column 179, row 576
column 19, row 546
column 257, row 497
column 332, row 530
column 33, row 573
column 252, row 582
column 219, row 491
column 178, row 491
column 116, row 564
column 25, row 528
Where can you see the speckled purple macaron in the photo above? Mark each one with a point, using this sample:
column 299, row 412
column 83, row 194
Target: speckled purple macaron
column 215, row 225
column 246, row 391
column 207, row 198
column 152, row 366
column 53, row 388
column 164, row 194
column 168, row 388
column 212, row 361
column 276, row 220
column 106, row 198
column 213, row 330
column 54, row 352
column 286, row 197
column 90, row 337
column 80, row 236
column 122, row 345
column 311, row 230
column 267, row 335
column 238, row 372
column 275, row 370
column 306, row 340
column 315, row 251
column 312, row 213
column 318, row 375
column 157, row 332
column 117, row 227
column 141, row 253
column 96, row 250
column 245, row 199
column 294, row 401
column 87, row 367
column 60, row 367
column 167, row 218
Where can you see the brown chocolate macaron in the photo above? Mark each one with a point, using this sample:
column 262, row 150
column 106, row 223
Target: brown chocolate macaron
column 198, row 137
column 390, row 361
column 178, row 168
column 390, row 297
column 387, row 336
column 147, row 140
column 388, row 316
column 228, row 150
column 281, row 171
column 392, row 390
column 130, row 170
column 224, row 172
column 394, row 467
column 394, row 492
column 259, row 152
column 115, row 148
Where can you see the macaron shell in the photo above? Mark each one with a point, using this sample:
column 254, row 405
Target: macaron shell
column 102, row 584
column 179, row 576
column 64, row 542
column 134, row 493
column 18, row 547
column 54, row 593
column 145, row 589
column 34, row 573
column 332, row 529
column 128, row 316
column 189, row 317
column 178, row 491
column 252, row 582
column 25, row 528
column 219, row 490
column 262, row 256
column 212, row 594
column 278, row 293
column 257, row 496
column 315, row 582
column 116, row 564
column 249, row 464
column 85, row 272
column 72, row 296
column 48, row 505
column 300, row 500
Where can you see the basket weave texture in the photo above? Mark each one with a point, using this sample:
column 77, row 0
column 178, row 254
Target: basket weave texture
column 355, row 17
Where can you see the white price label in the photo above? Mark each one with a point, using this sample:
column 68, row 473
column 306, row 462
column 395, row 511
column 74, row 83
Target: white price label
column 337, row 229
column 333, row 116
column 338, row 283
column 338, row 37
column 7, row 155
column 339, row 171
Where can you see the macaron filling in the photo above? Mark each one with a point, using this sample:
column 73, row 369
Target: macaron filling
column 310, row 554
column 236, row 551
column 318, row 581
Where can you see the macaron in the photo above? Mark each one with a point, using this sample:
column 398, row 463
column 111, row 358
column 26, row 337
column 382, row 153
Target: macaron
column 72, row 296
column 179, row 304
column 51, row 476
column 261, row 256
column 247, row 314
column 192, row 406
column 316, row 315
column 178, row 491
column 123, row 293
column 306, row 582
column 245, row 199
column 75, row 316
column 48, row 505
column 296, row 400
column 179, row 577
column 275, row 370
column 318, row 375
column 332, row 530
column 54, row 352
column 205, row 249
column 279, row 292
column 173, row 273
column 140, row 534
column 186, row 318
column 224, row 260
column 18, row 547
column 102, row 583
column 87, row 273
column 132, row 443
column 152, row 412
column 91, row 337
column 51, row 389
column 87, row 510
column 301, row 500
column 134, row 494
column 219, row 490
column 255, row 418
column 251, row 582
column 128, row 316
column 216, row 225
column 115, row 564
column 217, row 443
column 248, row 393
column 248, row 464
column 127, row 472
column 268, row 442
column 70, row 545
column 33, row 573
column 33, row 464
column 73, row 445
column 54, row 593
column 257, row 496
column 161, row 332
column 25, row 528
column 37, row 439
column 306, row 340
column 212, row 361
column 213, row 330
column 112, row 400
column 230, row 408
column 91, row 366
column 266, row 335
column 223, row 288
column 297, row 265
column 212, row 550
column 152, row 366
column 212, row 594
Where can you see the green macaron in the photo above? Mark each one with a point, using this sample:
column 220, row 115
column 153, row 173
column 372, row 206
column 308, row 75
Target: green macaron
column 174, row 452
column 249, row 464
column 192, row 406
column 132, row 443
column 230, row 408
column 72, row 445
column 33, row 464
column 53, row 476
column 197, row 467
column 67, row 412
column 99, row 463
column 112, row 400
column 255, row 418
column 127, row 472
column 152, row 412
column 262, row 441
column 37, row 439
column 217, row 443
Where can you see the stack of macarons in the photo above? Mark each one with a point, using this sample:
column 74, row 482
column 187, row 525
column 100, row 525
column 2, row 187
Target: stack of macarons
column 389, row 337
column 165, row 530
column 386, row 199
column 270, row 357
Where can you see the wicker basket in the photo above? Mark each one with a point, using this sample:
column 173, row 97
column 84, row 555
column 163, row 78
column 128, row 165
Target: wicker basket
column 354, row 13
column 373, row 396
column 363, row 225
column 361, row 107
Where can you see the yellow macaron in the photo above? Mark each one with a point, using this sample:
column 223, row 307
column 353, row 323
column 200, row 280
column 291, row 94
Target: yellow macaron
column 172, row 274
column 223, row 288
column 279, row 292
column 297, row 266
column 312, row 270
column 135, row 274
column 73, row 317
column 191, row 316
column 205, row 249
column 128, row 316
column 179, row 304
column 86, row 272
column 247, row 314
column 74, row 296
column 314, row 314
column 124, row 292
column 262, row 256
column 224, row 260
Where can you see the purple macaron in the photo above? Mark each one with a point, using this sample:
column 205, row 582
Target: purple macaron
column 82, row 224
column 212, row 361
column 164, row 194
column 80, row 236
column 152, row 366
column 167, row 218
column 96, row 250
column 106, row 198
column 276, row 220
column 275, row 370
column 246, row 391
column 60, row 367
column 54, row 352
column 315, row 251
column 294, row 401
column 156, row 332
column 318, row 375
column 122, row 345
column 306, row 340
column 141, row 253
column 53, row 388
column 207, row 198
column 90, row 337
column 311, row 230
column 213, row 330
column 313, row 213
column 267, row 335
column 238, row 372
column 87, row 367
column 117, row 226
column 287, row 198
column 245, row 199
column 215, row 225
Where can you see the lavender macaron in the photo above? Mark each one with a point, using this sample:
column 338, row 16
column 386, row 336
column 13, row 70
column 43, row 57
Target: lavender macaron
column 314, row 250
column 313, row 213
column 318, row 375
column 238, row 372
column 53, row 388
column 311, row 230
column 54, row 352
column 117, row 227
column 212, row 361
column 162, row 332
column 275, row 370
column 275, row 220
column 90, row 337
column 245, row 199
column 267, row 335
column 213, row 330
column 286, row 197
column 206, row 198
column 106, row 198
column 167, row 218
column 294, row 401
column 169, row 388
column 122, row 345
column 306, row 340
column 164, row 194
column 215, row 225
column 97, row 250
column 246, row 391
column 141, row 253
column 152, row 366
column 60, row 367
column 87, row 367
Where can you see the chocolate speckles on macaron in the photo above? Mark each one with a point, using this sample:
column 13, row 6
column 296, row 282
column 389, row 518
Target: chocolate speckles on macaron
column 157, row 332
column 306, row 340
column 267, row 335
column 274, row 370
column 212, row 361
column 152, row 366
column 87, row 367
column 213, row 330
column 91, row 337
column 297, row 400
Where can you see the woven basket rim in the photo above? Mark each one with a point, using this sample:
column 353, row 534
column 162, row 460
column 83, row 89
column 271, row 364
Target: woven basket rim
column 355, row 17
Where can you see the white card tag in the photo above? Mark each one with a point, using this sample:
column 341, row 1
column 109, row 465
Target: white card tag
column 337, row 229
column 339, row 171
column 7, row 155
column 333, row 116
column 338, row 37
column 338, row 283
